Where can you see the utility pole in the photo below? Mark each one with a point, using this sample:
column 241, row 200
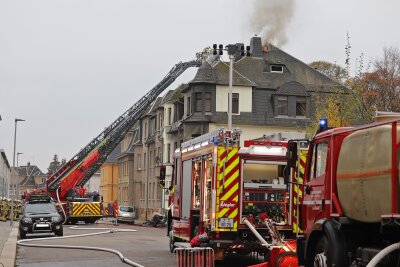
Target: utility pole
column 14, row 187
column 232, row 50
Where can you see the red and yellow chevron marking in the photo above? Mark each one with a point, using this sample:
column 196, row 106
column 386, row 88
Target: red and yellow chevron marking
column 227, row 199
column 85, row 209
column 298, row 190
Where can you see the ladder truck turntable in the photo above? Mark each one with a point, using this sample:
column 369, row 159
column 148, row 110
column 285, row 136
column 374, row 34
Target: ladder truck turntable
column 80, row 168
column 211, row 194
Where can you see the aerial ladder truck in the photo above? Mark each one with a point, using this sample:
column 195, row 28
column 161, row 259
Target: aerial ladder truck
column 66, row 184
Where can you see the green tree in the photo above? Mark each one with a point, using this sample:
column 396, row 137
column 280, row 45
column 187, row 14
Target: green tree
column 331, row 70
column 54, row 165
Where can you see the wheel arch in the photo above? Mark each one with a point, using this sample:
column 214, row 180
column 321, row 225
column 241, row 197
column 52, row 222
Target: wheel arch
column 331, row 230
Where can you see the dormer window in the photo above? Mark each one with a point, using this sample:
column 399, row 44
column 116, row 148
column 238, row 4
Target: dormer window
column 276, row 68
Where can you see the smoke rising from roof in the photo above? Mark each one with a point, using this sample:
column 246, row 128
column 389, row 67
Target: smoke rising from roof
column 270, row 19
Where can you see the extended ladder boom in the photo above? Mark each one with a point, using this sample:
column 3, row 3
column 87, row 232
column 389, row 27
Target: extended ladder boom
column 80, row 168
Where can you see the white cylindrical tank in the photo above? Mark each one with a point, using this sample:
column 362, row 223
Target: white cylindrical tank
column 364, row 173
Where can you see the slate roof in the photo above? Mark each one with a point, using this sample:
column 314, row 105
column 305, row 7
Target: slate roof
column 205, row 74
column 254, row 71
column 175, row 94
column 29, row 171
column 112, row 158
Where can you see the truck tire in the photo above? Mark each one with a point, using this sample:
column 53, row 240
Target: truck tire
column 22, row 234
column 321, row 253
column 60, row 232
column 328, row 253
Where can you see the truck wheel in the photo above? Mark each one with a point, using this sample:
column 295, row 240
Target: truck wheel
column 321, row 253
column 171, row 242
column 22, row 234
column 60, row 232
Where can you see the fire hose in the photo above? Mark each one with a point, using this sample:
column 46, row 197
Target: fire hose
column 383, row 253
column 26, row 242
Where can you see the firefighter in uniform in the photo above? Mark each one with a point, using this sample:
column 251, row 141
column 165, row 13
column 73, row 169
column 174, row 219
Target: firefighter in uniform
column 16, row 210
column 4, row 210
column 115, row 208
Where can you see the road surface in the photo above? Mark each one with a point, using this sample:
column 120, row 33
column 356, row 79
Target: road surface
column 147, row 246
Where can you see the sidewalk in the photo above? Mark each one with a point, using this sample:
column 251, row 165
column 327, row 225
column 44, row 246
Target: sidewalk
column 8, row 243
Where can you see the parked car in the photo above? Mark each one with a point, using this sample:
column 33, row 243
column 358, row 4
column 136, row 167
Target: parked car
column 126, row 214
column 40, row 218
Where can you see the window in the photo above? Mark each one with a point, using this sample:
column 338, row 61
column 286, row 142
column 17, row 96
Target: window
column 235, row 103
column 169, row 116
column 152, row 129
column 144, row 161
column 145, row 129
column 276, row 68
column 160, row 121
column 198, row 102
column 300, row 106
column 175, row 145
column 282, row 105
column 318, row 163
column 139, row 162
column 188, row 107
column 207, row 102
column 159, row 155
column 168, row 153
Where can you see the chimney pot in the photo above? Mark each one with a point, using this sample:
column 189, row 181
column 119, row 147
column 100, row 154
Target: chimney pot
column 256, row 47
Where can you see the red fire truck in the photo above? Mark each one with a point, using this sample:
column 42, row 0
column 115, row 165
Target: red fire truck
column 218, row 186
column 350, row 210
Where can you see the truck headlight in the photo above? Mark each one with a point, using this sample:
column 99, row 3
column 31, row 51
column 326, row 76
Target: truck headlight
column 27, row 220
column 55, row 219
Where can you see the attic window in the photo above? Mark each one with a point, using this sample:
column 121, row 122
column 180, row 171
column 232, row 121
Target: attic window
column 277, row 68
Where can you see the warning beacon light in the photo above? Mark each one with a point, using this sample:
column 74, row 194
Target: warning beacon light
column 323, row 124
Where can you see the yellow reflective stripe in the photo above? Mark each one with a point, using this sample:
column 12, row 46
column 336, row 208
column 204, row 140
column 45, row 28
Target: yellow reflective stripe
column 231, row 166
column 230, row 192
column 229, row 181
column 222, row 212
column 233, row 214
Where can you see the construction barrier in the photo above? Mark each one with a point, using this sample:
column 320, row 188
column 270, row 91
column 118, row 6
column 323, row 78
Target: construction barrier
column 195, row 257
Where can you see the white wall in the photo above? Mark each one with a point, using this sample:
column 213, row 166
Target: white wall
column 5, row 174
column 245, row 98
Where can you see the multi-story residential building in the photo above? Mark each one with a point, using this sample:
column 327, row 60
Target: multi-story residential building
column 5, row 174
column 152, row 158
column 272, row 92
column 126, row 168
column 109, row 177
column 29, row 177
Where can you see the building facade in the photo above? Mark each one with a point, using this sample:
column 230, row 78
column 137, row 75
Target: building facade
column 109, row 177
column 5, row 174
column 29, row 177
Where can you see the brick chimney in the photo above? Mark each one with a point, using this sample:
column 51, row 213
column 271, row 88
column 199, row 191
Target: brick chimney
column 256, row 47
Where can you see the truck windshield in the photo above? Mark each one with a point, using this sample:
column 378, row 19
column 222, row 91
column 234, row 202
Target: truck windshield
column 40, row 208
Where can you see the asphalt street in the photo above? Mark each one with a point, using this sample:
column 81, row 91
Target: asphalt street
column 148, row 247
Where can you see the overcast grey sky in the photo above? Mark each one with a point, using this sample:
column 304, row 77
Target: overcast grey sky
column 70, row 67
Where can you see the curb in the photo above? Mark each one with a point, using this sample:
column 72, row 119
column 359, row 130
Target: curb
column 7, row 257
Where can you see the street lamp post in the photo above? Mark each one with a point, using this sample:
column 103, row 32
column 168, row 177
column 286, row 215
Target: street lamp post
column 18, row 153
column 15, row 144
column 232, row 50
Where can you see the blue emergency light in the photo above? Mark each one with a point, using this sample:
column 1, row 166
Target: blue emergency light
column 323, row 124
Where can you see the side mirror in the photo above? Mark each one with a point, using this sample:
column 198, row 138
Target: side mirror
column 292, row 154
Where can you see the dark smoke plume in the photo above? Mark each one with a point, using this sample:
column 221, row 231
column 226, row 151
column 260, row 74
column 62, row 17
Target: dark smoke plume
column 270, row 19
